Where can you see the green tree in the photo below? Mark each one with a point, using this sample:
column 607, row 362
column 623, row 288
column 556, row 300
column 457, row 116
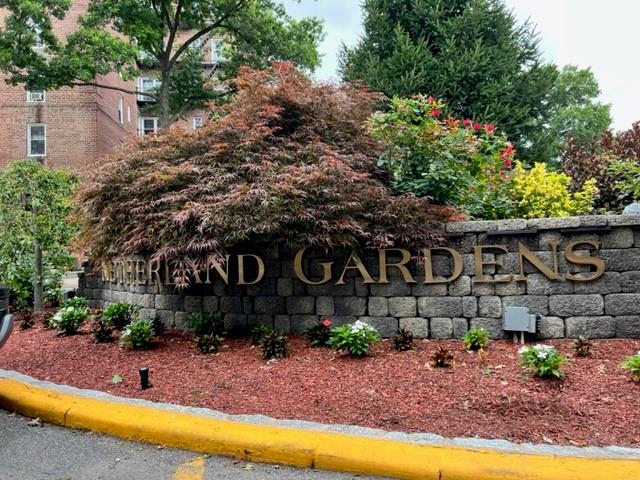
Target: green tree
column 574, row 112
column 471, row 53
column 34, row 205
column 119, row 35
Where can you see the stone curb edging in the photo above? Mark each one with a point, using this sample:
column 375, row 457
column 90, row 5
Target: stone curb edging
column 339, row 448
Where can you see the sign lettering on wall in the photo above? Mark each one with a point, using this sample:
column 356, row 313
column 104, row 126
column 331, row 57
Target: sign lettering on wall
column 249, row 269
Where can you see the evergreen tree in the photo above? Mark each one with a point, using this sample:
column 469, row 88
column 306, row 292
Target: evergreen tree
column 471, row 53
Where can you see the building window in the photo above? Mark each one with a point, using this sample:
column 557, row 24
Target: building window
column 120, row 109
column 148, row 125
column 146, row 84
column 35, row 96
column 36, row 140
column 216, row 46
column 37, row 33
column 129, row 113
column 196, row 122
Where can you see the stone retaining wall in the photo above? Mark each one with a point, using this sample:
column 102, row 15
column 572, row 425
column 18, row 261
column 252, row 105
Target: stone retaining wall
column 606, row 307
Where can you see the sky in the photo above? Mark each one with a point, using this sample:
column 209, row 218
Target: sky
column 602, row 35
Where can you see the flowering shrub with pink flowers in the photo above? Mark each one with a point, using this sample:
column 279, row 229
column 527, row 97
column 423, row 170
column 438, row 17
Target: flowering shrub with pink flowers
column 456, row 162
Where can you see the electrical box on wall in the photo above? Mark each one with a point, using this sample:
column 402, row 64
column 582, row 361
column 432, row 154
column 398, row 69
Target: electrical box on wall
column 518, row 319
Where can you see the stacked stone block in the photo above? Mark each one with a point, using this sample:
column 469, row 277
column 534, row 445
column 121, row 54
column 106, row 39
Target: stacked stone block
column 604, row 308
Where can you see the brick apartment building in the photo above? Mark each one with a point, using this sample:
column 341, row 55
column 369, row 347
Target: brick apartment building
column 75, row 127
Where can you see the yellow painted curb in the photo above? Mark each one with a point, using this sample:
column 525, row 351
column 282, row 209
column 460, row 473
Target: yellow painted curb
column 302, row 448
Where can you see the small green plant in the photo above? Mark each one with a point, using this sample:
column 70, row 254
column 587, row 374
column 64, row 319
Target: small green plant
column 403, row 340
column 26, row 320
column 356, row 338
column 68, row 319
column 258, row 333
column 102, row 328
column 319, row 334
column 442, row 357
column 120, row 314
column 542, row 360
column 137, row 335
column 209, row 343
column 274, row 345
column 206, row 323
column 582, row 347
column 46, row 319
column 632, row 364
column 78, row 302
column 475, row 339
column 116, row 379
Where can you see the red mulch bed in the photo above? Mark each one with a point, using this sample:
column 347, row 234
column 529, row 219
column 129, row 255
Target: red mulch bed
column 485, row 396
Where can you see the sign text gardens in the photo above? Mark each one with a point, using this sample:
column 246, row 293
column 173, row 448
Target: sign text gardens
column 249, row 269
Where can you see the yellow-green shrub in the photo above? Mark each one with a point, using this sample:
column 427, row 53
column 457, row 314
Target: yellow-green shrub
column 541, row 193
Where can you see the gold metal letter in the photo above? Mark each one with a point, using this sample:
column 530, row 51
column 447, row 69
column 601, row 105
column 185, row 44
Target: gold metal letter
column 584, row 260
column 154, row 273
column 480, row 263
column 428, row 265
column 141, row 274
column 524, row 252
column 357, row 263
column 223, row 272
column 241, row 279
column 297, row 268
column 384, row 265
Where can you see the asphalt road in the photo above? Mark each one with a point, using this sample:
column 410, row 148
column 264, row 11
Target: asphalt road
column 49, row 452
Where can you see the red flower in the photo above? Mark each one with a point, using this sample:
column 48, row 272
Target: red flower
column 489, row 128
column 467, row 123
column 326, row 322
column 436, row 112
column 430, row 99
column 507, row 151
column 507, row 163
column 476, row 126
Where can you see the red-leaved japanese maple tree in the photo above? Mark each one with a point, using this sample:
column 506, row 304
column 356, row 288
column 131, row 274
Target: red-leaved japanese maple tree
column 289, row 162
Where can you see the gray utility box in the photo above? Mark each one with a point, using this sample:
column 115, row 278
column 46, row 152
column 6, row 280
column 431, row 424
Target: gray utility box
column 518, row 319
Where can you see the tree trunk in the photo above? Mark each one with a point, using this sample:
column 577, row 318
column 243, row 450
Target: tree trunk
column 163, row 100
column 37, row 280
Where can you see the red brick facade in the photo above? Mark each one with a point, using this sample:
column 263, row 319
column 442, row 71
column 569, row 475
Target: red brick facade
column 82, row 124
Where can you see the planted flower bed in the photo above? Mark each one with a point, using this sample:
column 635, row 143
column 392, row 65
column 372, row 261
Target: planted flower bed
column 484, row 393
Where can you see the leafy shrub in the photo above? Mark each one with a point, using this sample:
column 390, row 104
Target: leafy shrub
column 47, row 317
column 356, row 338
column 258, row 333
column 78, row 302
column 206, row 323
column 455, row 162
column 120, row 314
column 102, row 330
column 318, row 335
column 403, row 340
column 137, row 335
column 475, row 339
column 442, row 357
column 632, row 364
column 542, row 360
column 288, row 156
column 25, row 320
column 274, row 346
column 208, row 343
column 582, row 346
column 69, row 319
column 542, row 193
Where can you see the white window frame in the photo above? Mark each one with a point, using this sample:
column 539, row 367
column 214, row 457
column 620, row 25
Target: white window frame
column 215, row 46
column 37, row 32
column 197, row 122
column 30, row 98
column 120, row 110
column 129, row 113
column 29, row 126
column 141, row 120
column 141, row 96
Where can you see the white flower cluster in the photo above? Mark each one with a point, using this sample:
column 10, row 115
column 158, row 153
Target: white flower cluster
column 542, row 351
column 359, row 326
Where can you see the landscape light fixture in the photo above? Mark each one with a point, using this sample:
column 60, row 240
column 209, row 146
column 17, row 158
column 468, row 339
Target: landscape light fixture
column 144, row 378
